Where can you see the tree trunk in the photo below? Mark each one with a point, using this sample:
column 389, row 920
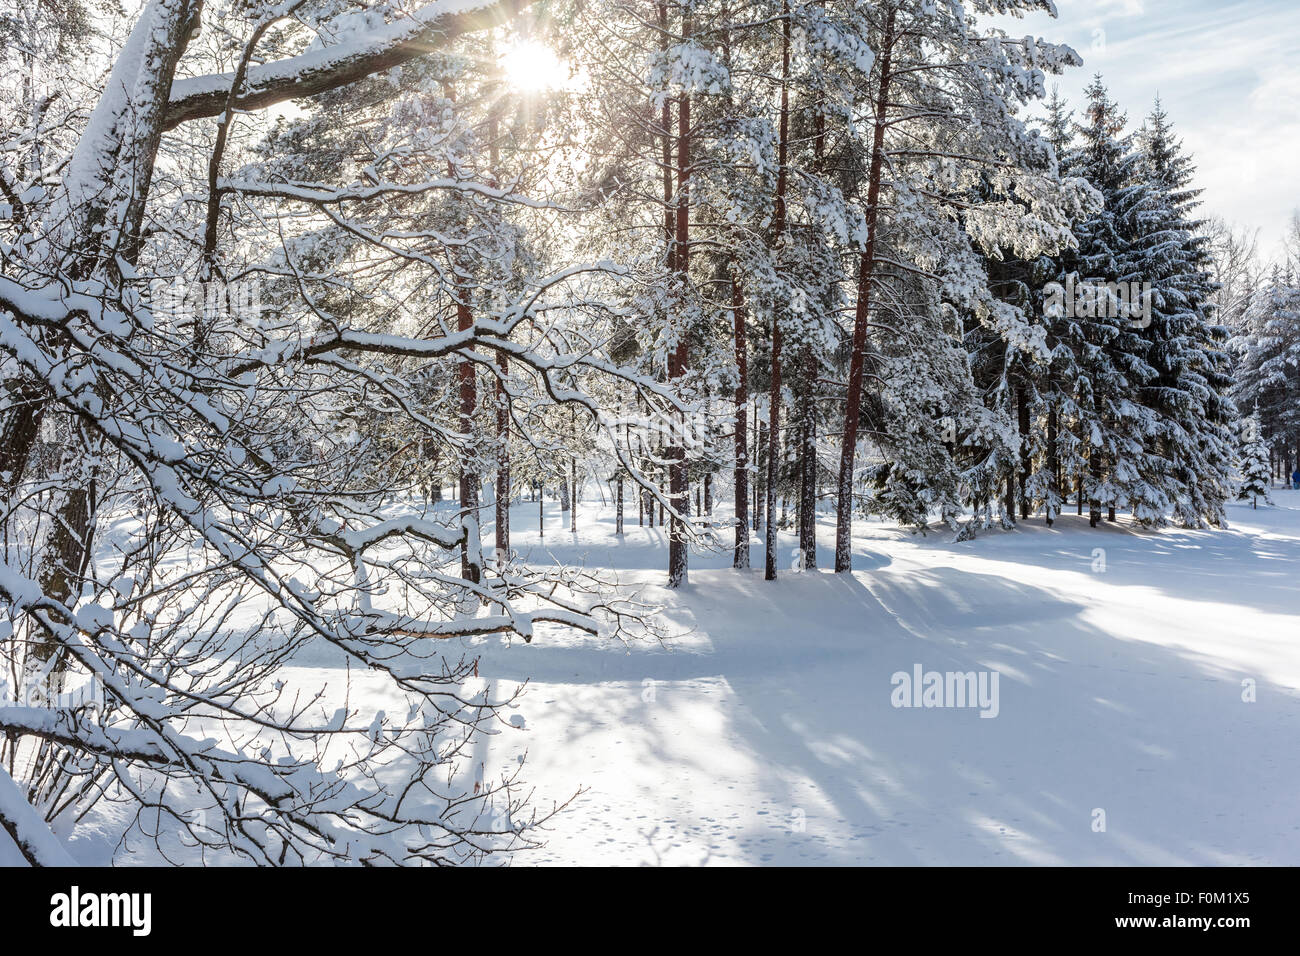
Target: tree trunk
column 1094, row 506
column 679, row 358
column 808, row 466
column 66, row 555
column 573, row 496
column 760, row 485
column 618, row 507
column 858, row 357
column 103, row 194
column 469, row 479
column 740, row 551
column 773, row 450
column 740, row 556
column 1022, row 407
column 22, row 426
column 503, row 490
column 757, row 458
column 1053, row 465
column 778, row 240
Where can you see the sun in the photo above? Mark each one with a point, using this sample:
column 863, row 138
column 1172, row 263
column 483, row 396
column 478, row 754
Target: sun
column 532, row 67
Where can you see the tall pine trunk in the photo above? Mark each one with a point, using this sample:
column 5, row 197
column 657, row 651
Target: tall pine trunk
column 760, row 484
column 679, row 357
column 778, row 239
column 1094, row 506
column 740, row 553
column 808, row 465
column 1053, row 466
column 573, row 496
column 503, row 489
column 808, row 472
column 469, row 479
column 740, row 557
column 1022, row 407
column 866, row 273
column 757, row 458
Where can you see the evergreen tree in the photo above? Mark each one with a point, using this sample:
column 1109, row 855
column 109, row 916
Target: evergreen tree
column 948, row 176
column 1058, row 455
column 1268, row 368
column 1253, row 462
column 1185, row 347
column 1104, row 328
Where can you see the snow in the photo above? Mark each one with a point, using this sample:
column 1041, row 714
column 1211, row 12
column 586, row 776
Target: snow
column 762, row 731
column 354, row 36
column 1141, row 679
column 28, row 829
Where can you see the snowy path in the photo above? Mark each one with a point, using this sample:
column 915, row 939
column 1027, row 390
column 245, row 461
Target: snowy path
column 767, row 735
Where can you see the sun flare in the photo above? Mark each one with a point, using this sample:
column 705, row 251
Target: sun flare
column 533, row 67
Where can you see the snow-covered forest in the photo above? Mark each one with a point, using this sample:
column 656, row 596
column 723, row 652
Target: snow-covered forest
column 588, row 430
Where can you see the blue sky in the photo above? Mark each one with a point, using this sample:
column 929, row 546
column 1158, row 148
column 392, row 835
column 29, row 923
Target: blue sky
column 1228, row 74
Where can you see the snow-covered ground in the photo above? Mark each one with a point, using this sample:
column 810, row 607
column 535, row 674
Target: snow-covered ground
column 764, row 730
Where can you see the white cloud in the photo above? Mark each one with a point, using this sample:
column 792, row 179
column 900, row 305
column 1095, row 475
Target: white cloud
column 1227, row 74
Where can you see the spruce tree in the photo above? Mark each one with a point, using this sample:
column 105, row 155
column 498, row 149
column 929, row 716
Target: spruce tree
column 1253, row 462
column 1185, row 347
column 1113, row 427
column 1268, row 370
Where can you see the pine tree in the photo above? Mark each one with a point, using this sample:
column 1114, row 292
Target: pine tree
column 965, row 179
column 1268, row 367
column 1101, row 295
column 1253, row 462
column 1185, row 347
column 1057, row 452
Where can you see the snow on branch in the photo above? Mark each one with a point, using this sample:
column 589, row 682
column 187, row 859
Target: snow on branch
column 25, row 827
column 317, row 71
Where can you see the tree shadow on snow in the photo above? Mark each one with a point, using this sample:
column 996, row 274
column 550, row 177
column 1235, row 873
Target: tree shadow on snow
column 1184, row 771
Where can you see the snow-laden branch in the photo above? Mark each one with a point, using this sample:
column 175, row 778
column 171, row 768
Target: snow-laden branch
column 317, row 71
column 314, row 193
column 25, row 827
